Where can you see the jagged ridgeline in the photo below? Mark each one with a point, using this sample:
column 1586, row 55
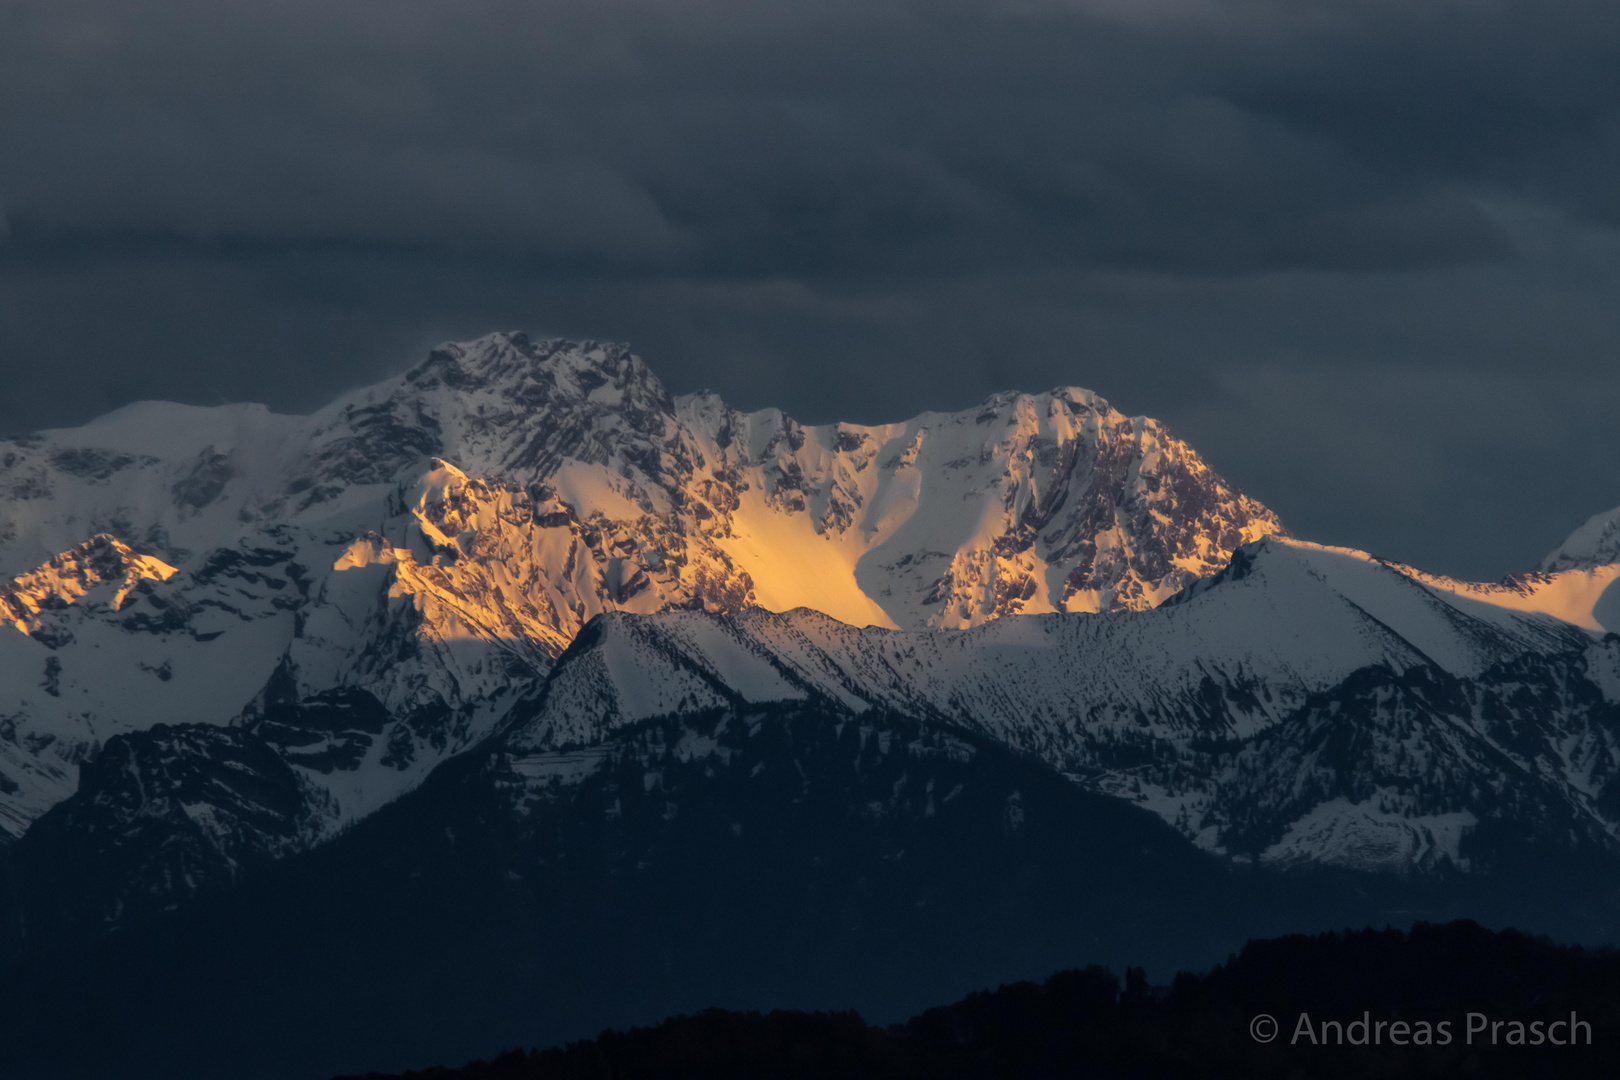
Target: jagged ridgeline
column 368, row 589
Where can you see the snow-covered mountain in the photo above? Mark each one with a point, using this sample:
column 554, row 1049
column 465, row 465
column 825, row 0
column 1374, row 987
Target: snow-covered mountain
column 1306, row 704
column 368, row 589
column 1595, row 543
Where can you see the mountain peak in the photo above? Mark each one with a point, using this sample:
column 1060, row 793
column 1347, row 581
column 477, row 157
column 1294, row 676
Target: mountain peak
column 77, row 573
column 510, row 361
column 1596, row 543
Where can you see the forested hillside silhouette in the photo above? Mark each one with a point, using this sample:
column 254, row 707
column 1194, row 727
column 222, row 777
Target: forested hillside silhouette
column 1083, row 1023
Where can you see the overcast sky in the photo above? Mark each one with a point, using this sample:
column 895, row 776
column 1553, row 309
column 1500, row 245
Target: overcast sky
column 1365, row 256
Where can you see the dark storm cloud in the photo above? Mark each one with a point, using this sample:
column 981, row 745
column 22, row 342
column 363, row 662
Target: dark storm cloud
column 721, row 138
column 1277, row 225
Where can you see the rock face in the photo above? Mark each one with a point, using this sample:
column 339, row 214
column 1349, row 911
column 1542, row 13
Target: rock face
column 368, row 589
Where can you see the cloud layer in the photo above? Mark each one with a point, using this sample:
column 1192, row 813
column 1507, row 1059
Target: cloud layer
column 1253, row 219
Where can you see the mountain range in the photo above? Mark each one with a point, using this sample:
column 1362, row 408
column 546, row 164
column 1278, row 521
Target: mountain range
column 367, row 590
column 517, row 664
